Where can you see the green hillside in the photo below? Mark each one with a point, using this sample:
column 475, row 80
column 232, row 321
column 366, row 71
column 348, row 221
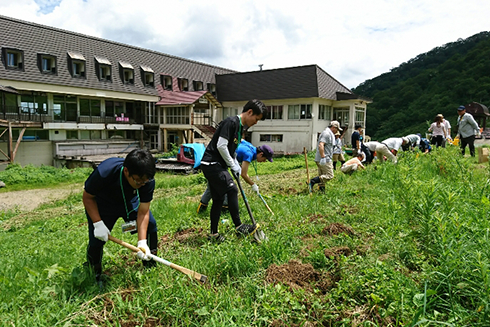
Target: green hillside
column 409, row 96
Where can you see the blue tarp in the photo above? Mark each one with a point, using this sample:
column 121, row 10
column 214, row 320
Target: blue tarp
column 199, row 149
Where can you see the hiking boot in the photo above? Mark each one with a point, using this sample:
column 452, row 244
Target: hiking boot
column 245, row 229
column 202, row 207
column 216, row 238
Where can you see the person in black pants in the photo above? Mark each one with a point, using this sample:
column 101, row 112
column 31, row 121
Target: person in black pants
column 220, row 155
column 121, row 188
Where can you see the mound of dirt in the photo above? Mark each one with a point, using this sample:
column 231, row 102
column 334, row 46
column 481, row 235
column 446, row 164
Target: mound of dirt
column 337, row 228
column 298, row 276
column 189, row 233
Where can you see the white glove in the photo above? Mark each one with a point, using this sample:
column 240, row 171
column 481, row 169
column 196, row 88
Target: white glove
column 144, row 252
column 236, row 169
column 101, row 231
column 255, row 188
column 323, row 161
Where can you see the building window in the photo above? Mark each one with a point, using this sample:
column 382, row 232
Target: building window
column 103, row 69
column 359, row 116
column 341, row 115
column 299, row 111
column 127, row 72
column 183, row 84
column 229, row 111
column 47, row 63
column 76, row 64
column 14, row 59
column 212, row 89
column 114, row 108
column 198, row 86
column 34, row 103
column 177, row 115
column 270, row 138
column 35, row 135
column 274, row 112
column 90, row 107
column 148, row 76
column 167, row 82
column 64, row 107
column 71, row 135
column 324, row 112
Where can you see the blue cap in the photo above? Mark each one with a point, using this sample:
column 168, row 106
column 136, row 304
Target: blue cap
column 461, row 108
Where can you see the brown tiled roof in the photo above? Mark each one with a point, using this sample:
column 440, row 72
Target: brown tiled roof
column 33, row 38
column 284, row 83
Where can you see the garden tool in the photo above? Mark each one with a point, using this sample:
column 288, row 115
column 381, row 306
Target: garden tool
column 307, row 171
column 258, row 234
column 191, row 273
column 263, row 200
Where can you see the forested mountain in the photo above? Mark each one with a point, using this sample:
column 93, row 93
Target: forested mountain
column 439, row 81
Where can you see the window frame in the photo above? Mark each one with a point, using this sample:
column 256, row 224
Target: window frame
column 326, row 113
column 198, row 85
column 77, row 60
column 212, row 89
column 18, row 56
column 147, row 76
column 271, row 138
column 126, row 68
column 167, row 82
column 299, row 107
column 275, row 109
column 41, row 57
column 103, row 69
column 184, row 84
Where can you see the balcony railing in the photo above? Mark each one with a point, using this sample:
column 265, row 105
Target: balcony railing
column 34, row 115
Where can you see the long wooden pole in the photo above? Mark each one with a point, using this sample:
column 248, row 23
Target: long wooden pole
column 307, row 171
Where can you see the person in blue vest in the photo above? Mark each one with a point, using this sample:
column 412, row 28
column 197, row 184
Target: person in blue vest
column 246, row 154
column 121, row 187
column 220, row 155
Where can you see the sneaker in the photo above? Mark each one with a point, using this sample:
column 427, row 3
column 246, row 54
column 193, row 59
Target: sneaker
column 202, row 207
column 245, row 229
column 217, row 238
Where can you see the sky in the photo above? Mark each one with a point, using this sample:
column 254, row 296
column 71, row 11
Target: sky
column 352, row 40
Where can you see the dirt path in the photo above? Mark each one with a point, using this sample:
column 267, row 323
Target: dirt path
column 30, row 199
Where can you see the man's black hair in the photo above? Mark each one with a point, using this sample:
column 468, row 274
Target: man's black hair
column 357, row 126
column 141, row 163
column 258, row 108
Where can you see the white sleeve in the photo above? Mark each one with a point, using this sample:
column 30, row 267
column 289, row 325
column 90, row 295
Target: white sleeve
column 223, row 151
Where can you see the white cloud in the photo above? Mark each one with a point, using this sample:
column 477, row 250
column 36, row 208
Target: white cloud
column 353, row 40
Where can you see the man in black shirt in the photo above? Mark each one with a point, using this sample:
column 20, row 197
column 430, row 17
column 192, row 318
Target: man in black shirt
column 220, row 155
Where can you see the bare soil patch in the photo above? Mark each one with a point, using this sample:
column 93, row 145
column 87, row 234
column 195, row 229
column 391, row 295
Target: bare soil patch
column 29, row 200
column 299, row 276
column 337, row 228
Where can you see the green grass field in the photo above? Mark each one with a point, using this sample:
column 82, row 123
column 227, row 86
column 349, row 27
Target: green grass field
column 399, row 245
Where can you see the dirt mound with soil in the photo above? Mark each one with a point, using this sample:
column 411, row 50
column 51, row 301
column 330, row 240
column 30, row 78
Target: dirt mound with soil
column 298, row 276
column 337, row 228
column 338, row 251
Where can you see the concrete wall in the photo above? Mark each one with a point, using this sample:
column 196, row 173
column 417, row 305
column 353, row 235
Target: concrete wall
column 36, row 153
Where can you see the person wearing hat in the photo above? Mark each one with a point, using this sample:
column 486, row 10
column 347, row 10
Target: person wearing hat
column 324, row 154
column 337, row 151
column 390, row 147
column 438, row 130
column 246, row 154
column 467, row 129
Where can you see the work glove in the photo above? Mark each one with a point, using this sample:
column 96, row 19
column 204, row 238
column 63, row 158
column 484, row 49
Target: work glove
column 323, row 161
column 255, row 188
column 101, row 231
column 144, row 251
column 236, row 169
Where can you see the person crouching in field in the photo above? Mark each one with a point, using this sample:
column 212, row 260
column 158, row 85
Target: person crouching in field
column 351, row 165
column 121, row 188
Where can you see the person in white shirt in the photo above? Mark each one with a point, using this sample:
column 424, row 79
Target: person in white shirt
column 337, row 151
column 447, row 124
column 413, row 141
column 371, row 146
column 389, row 148
column 438, row 130
column 353, row 164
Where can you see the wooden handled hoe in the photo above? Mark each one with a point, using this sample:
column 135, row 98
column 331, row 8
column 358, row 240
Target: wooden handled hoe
column 191, row 273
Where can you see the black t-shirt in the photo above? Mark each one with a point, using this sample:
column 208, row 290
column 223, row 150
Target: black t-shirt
column 105, row 184
column 228, row 129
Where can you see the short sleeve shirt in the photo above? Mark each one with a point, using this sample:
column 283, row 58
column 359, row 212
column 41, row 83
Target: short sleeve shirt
column 393, row 143
column 355, row 137
column 105, row 184
column 246, row 151
column 229, row 129
column 328, row 139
